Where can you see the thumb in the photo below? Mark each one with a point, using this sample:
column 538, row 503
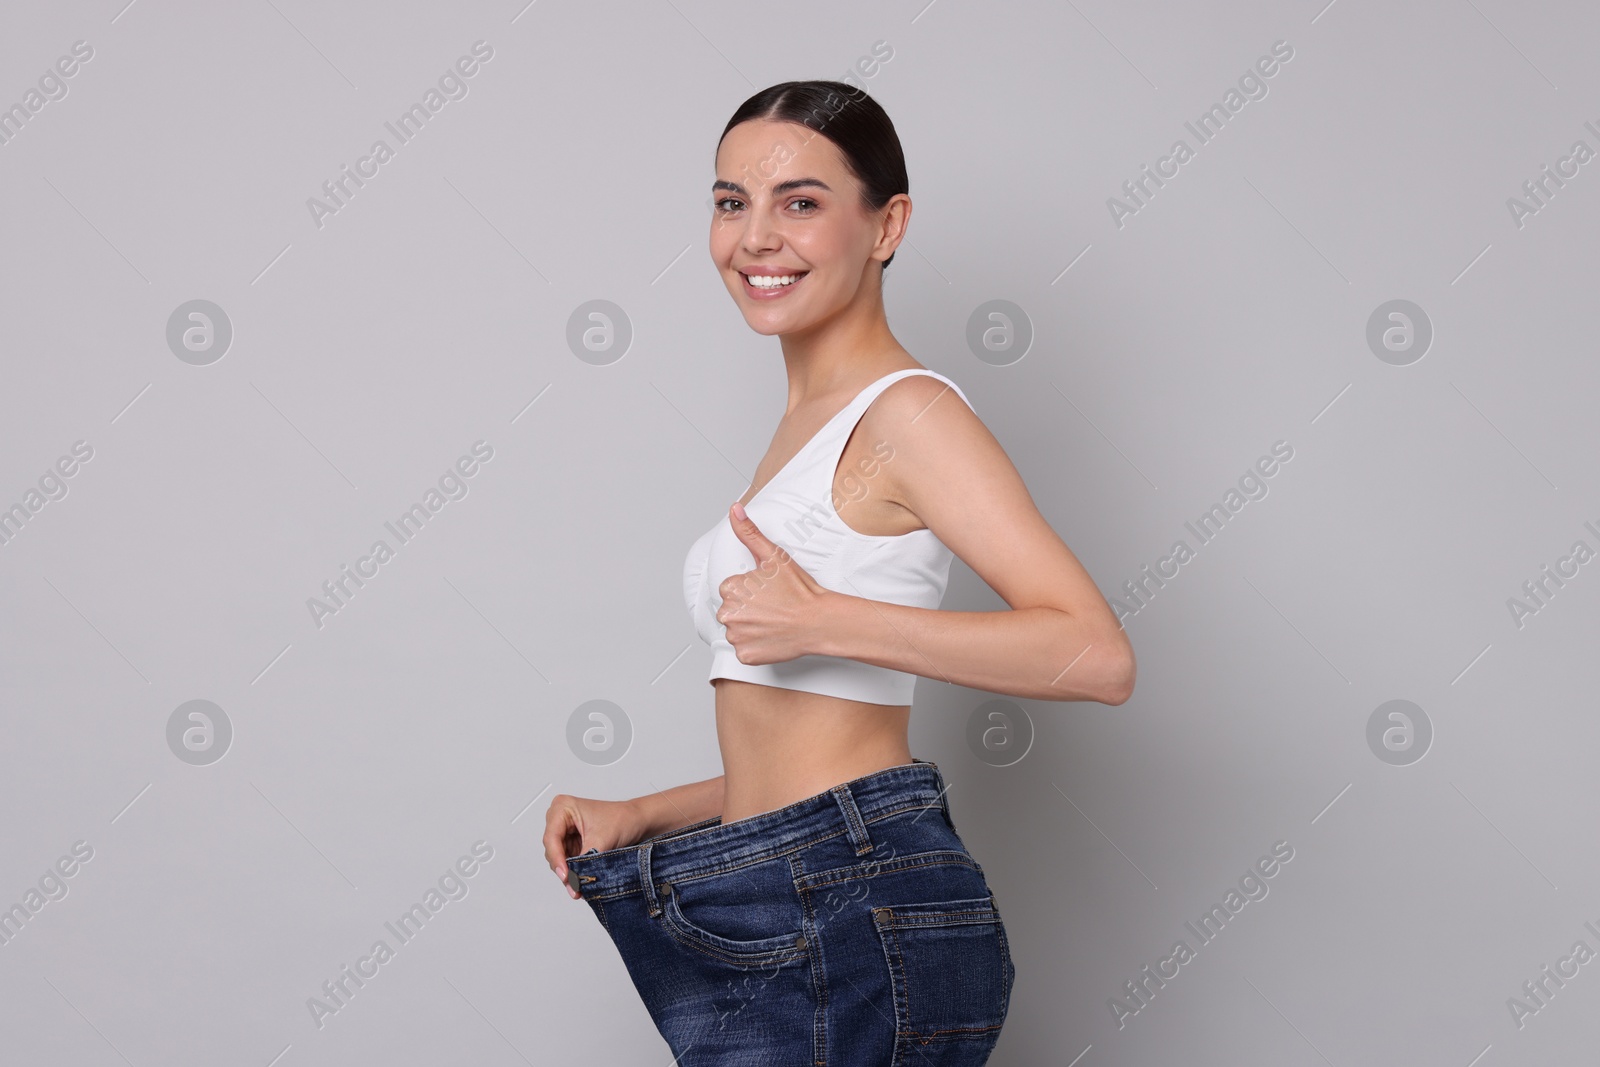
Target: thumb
column 750, row 534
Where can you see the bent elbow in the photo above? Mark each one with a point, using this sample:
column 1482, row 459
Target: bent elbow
column 1126, row 675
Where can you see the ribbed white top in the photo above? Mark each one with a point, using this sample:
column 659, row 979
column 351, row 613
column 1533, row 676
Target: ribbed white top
column 795, row 510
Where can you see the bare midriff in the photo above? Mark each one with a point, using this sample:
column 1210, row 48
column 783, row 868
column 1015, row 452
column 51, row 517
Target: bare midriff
column 783, row 745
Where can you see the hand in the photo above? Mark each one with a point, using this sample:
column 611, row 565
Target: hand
column 770, row 613
column 573, row 825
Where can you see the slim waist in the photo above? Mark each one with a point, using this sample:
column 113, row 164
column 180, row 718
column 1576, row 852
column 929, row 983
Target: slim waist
column 712, row 845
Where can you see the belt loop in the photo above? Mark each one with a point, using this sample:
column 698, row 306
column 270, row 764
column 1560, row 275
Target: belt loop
column 852, row 818
column 648, row 886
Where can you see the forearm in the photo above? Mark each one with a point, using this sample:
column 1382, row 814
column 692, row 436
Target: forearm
column 1036, row 653
column 679, row 806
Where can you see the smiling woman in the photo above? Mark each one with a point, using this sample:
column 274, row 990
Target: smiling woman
column 815, row 903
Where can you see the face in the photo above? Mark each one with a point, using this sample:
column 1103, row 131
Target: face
column 785, row 204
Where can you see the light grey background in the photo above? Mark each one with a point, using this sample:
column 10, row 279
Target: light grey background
column 432, row 312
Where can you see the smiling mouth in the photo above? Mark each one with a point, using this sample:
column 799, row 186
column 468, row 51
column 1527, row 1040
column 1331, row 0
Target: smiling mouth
column 770, row 283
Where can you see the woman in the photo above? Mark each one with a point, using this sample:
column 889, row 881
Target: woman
column 814, row 904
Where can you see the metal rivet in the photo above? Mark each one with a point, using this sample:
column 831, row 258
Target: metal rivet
column 800, row 942
column 666, row 889
column 880, row 914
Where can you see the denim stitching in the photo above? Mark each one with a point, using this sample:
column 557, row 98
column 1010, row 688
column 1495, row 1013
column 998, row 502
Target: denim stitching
column 902, row 1003
column 686, row 936
column 852, row 819
column 948, row 1030
column 897, row 987
column 903, row 863
column 819, row 972
column 758, row 959
column 888, row 930
column 694, row 873
column 646, row 885
column 944, row 917
column 1008, row 971
column 880, row 816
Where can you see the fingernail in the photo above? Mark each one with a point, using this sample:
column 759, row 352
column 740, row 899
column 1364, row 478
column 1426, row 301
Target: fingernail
column 738, row 510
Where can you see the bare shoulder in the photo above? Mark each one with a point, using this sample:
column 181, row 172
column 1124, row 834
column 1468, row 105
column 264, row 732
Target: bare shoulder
column 921, row 425
column 950, row 471
column 921, row 401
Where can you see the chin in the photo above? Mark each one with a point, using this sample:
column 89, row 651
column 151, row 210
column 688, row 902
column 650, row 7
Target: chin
column 765, row 329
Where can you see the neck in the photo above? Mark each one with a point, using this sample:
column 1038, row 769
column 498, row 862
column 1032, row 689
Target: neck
column 841, row 353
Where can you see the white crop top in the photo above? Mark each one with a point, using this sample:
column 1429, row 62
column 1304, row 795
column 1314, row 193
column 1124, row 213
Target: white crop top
column 796, row 511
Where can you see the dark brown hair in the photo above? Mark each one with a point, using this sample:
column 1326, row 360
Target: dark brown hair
column 851, row 119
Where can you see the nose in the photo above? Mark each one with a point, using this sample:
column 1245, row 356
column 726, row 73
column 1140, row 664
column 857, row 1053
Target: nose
column 760, row 231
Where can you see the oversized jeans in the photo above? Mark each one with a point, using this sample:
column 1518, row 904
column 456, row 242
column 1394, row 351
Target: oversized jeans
column 848, row 929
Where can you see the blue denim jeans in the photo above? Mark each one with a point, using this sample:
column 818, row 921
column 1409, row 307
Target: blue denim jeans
column 850, row 928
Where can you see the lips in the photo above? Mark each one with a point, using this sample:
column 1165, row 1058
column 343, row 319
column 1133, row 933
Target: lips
column 771, row 291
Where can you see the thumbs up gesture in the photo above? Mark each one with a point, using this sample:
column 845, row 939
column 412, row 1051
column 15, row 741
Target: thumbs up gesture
column 771, row 613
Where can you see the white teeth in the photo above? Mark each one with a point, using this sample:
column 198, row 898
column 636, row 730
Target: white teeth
column 761, row 281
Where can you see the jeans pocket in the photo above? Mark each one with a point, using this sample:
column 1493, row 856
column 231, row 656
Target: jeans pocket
column 728, row 917
column 950, row 969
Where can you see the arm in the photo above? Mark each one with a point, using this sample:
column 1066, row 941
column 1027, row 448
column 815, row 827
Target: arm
column 679, row 806
column 573, row 825
column 1038, row 653
column 1060, row 641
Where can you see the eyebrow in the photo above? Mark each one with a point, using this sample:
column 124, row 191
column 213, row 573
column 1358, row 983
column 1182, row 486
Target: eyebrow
column 777, row 190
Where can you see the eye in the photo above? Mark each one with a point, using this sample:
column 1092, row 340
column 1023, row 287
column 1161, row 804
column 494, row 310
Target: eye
column 727, row 200
column 804, row 200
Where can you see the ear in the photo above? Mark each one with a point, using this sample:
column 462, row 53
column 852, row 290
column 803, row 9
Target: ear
column 896, row 217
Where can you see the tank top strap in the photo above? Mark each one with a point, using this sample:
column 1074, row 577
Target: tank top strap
column 870, row 393
column 812, row 468
column 825, row 451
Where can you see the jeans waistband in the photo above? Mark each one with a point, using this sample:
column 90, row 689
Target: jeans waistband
column 711, row 845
